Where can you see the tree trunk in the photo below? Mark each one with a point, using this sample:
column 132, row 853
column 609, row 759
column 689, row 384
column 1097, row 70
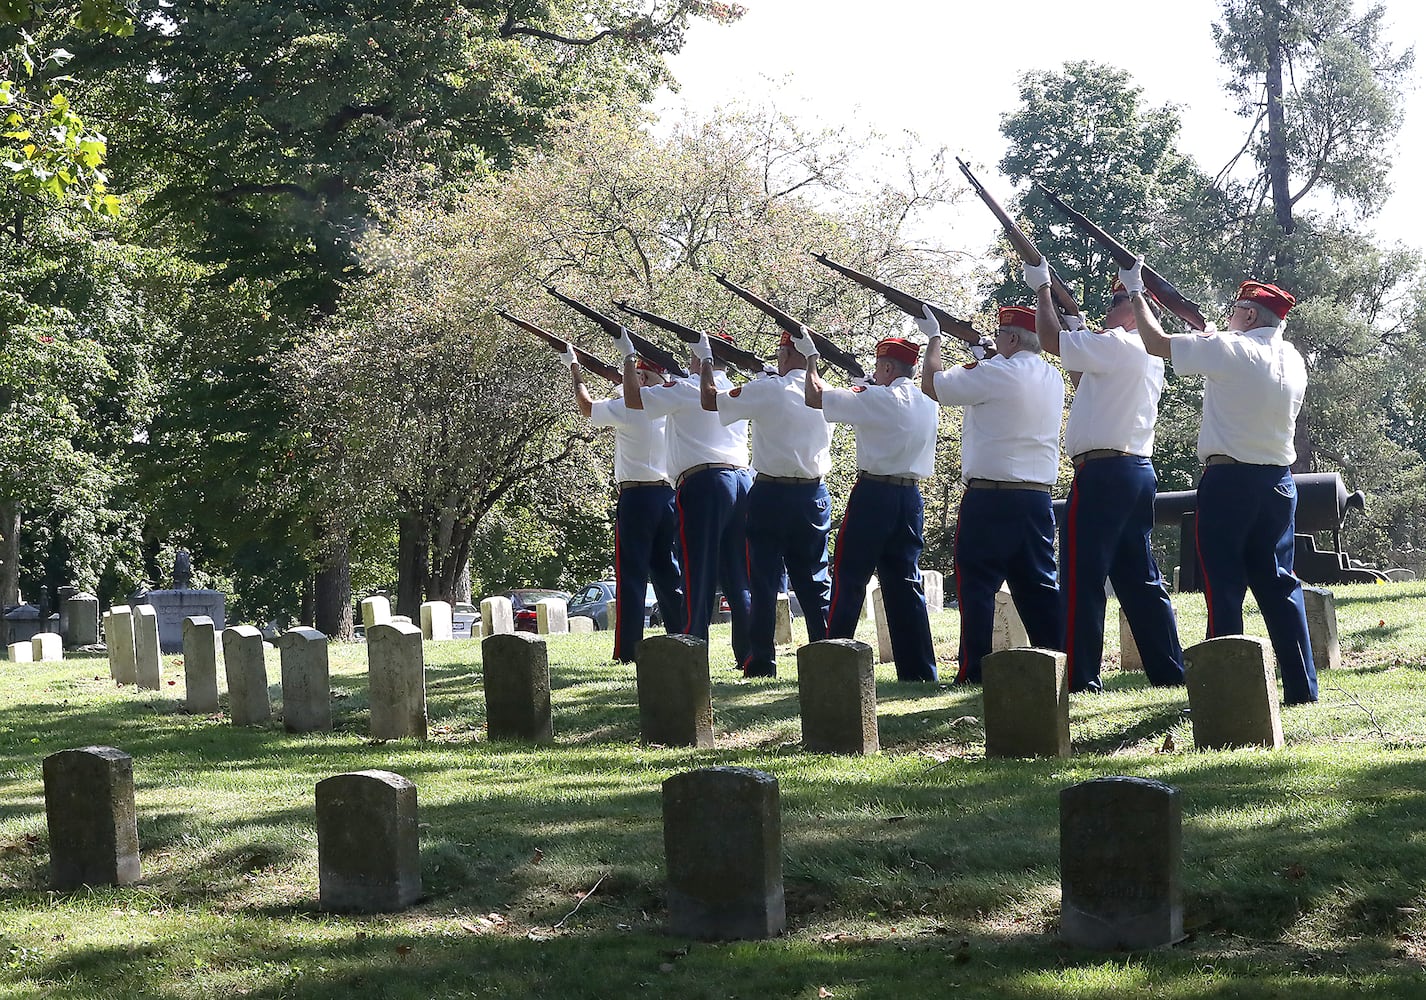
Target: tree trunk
column 1302, row 442
column 9, row 553
column 462, row 591
column 412, row 557
column 333, row 586
column 1277, row 127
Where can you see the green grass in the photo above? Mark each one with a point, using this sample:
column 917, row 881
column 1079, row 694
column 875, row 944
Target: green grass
column 924, row 871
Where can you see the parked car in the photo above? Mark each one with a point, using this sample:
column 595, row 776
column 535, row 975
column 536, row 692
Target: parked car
column 523, row 602
column 592, row 601
column 465, row 621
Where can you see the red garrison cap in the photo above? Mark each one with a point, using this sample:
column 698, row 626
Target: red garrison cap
column 1270, row 297
column 785, row 340
column 721, row 335
column 1018, row 316
column 900, row 349
column 644, row 365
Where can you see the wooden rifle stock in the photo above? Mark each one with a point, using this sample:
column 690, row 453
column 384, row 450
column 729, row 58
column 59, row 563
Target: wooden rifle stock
column 830, row 352
column 1156, row 284
column 910, row 304
column 647, row 349
column 1024, row 248
column 725, row 352
column 587, row 361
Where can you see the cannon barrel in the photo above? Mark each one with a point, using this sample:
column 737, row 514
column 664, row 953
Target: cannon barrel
column 1322, row 503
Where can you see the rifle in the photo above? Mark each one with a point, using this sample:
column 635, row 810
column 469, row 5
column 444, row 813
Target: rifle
column 1156, row 284
column 1024, row 249
column 722, row 350
column 588, row 361
column 646, row 348
column 833, row 354
column 908, row 303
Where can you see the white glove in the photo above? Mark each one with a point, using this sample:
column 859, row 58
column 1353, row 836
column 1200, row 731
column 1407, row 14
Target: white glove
column 623, row 344
column 703, row 350
column 567, row 355
column 803, row 343
column 1074, row 323
column 1133, row 277
column 861, row 381
column 929, row 326
column 977, row 352
column 1037, row 276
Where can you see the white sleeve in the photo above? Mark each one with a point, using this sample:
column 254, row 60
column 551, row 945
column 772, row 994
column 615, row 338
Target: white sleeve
column 1201, row 354
column 963, row 385
column 675, row 397
column 844, row 406
column 744, row 402
column 613, row 413
column 1087, row 351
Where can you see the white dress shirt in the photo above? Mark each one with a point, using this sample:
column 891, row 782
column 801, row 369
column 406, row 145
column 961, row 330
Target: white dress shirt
column 1116, row 405
column 789, row 438
column 1013, row 406
column 896, row 426
column 640, row 453
column 694, row 435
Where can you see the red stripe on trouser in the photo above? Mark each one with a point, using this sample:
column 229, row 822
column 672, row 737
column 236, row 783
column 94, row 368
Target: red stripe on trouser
column 1072, row 584
column 837, row 561
column 1207, row 590
column 961, row 670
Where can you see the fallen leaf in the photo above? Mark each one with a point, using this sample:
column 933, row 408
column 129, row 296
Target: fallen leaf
column 823, row 993
column 470, row 928
column 1381, row 623
column 537, row 857
column 1168, row 746
column 1294, row 871
column 172, row 683
column 403, row 949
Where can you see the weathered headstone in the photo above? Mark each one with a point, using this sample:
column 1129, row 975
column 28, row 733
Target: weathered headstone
column 782, row 621
column 246, row 670
column 722, row 834
column 675, row 691
column 1129, row 658
column 877, row 600
column 200, row 664
column 1121, row 857
column 89, row 808
column 306, row 681
column 119, row 641
column 399, row 619
column 20, row 652
column 368, row 850
column 375, row 610
column 1026, row 703
column 396, row 667
column 1232, row 693
column 79, row 621
column 46, row 647
column 436, row 621
column 172, row 606
column 516, row 669
column 1322, row 627
column 933, row 582
column 148, row 657
column 581, row 625
column 551, row 616
column 836, row 689
column 1009, row 631
column 872, row 584
column 497, row 616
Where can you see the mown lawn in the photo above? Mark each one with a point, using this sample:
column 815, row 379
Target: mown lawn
column 925, row 871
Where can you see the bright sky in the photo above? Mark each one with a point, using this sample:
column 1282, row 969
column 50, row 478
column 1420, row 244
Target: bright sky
column 947, row 70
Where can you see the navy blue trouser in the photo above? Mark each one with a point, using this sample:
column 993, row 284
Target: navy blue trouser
column 1246, row 515
column 1106, row 534
column 712, row 534
column 787, row 527
column 881, row 533
column 645, row 549
column 1005, row 536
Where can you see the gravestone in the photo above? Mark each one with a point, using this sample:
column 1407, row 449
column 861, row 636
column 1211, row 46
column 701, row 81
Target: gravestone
column 246, row 670
column 46, row 647
column 581, row 625
column 836, row 691
column 933, row 582
column 1026, row 703
column 782, row 621
column 200, row 664
column 89, row 808
column 1129, row 658
column 119, row 641
column 877, row 600
column 375, row 610
column 1121, row 858
column 171, row 607
column 675, row 691
column 399, row 620
column 22, row 623
column 516, row 670
column 79, row 621
column 148, row 655
column 1232, row 693
column 551, row 616
column 396, row 669
column 497, row 616
column 306, row 682
column 21, row 652
column 722, row 833
column 872, row 584
column 1008, row 631
column 1322, row 627
column 368, row 848
column 436, row 621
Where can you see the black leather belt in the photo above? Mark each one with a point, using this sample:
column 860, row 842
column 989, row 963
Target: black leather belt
column 996, row 484
column 683, row 476
column 1230, row 460
column 787, row 480
column 631, row 484
column 893, row 480
column 1093, row 453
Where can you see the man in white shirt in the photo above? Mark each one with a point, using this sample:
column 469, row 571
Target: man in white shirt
column 645, row 523
column 882, row 526
column 1110, row 511
column 709, row 465
column 789, row 511
column 1010, row 457
column 1254, row 382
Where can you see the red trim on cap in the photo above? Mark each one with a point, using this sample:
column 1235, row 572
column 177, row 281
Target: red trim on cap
column 645, row 365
